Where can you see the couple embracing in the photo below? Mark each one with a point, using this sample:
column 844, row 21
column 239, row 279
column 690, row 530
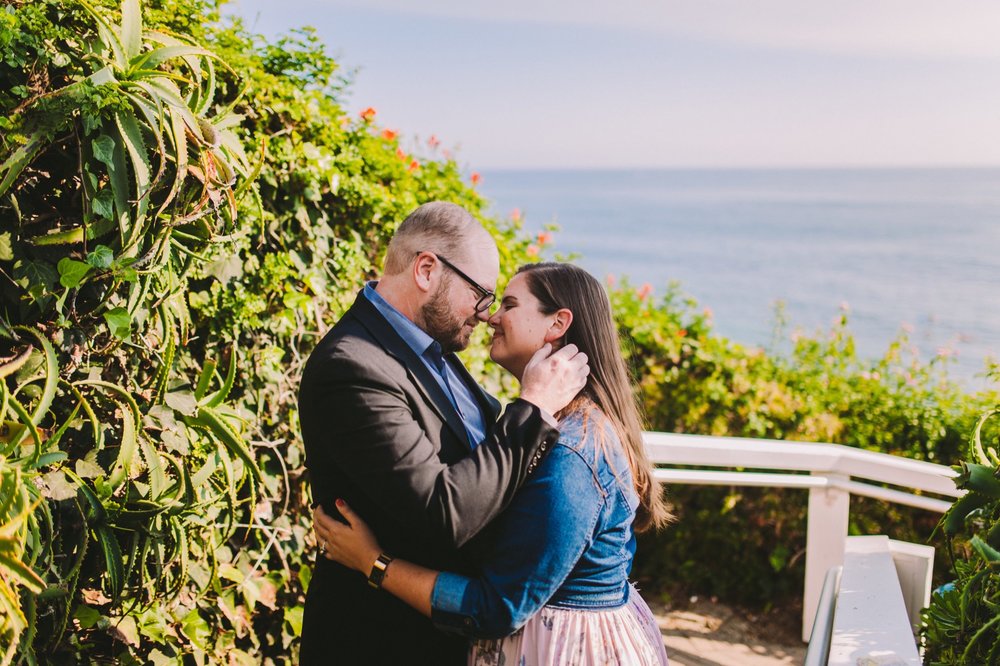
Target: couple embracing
column 450, row 533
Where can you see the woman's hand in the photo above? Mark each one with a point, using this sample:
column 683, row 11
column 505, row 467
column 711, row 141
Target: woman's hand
column 352, row 545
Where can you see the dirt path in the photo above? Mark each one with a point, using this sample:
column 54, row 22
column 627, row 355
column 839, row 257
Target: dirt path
column 704, row 633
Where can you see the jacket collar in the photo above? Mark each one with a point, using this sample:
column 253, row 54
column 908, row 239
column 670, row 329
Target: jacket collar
column 394, row 345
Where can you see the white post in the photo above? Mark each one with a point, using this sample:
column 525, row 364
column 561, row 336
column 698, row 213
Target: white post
column 826, row 536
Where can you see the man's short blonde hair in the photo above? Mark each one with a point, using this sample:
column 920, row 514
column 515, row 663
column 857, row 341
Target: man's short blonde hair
column 440, row 227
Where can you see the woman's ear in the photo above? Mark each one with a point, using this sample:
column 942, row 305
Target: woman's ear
column 561, row 321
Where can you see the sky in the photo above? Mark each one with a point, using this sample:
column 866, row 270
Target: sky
column 670, row 83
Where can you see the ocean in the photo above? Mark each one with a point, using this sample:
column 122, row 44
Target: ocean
column 899, row 249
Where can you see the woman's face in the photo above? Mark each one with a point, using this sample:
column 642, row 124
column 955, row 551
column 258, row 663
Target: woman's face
column 519, row 327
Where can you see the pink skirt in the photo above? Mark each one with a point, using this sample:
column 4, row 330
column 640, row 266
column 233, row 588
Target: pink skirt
column 625, row 636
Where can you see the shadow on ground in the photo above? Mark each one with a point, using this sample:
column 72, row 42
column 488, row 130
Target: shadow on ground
column 704, row 633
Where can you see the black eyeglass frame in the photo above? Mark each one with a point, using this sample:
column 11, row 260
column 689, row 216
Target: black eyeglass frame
column 486, row 300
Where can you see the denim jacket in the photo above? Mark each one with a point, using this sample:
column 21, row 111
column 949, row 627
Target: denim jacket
column 566, row 539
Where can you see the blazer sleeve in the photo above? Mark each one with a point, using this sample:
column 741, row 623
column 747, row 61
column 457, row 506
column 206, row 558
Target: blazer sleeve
column 374, row 437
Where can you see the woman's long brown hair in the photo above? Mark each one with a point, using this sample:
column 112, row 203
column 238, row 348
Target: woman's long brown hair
column 609, row 387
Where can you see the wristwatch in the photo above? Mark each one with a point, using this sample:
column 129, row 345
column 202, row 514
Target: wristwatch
column 377, row 575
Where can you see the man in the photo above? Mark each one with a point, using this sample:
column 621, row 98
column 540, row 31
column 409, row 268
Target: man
column 394, row 425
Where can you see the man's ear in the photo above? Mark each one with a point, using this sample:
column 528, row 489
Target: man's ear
column 561, row 321
column 423, row 270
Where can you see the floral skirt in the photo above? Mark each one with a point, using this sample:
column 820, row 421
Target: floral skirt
column 625, row 636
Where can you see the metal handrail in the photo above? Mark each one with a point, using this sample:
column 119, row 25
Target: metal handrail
column 822, row 631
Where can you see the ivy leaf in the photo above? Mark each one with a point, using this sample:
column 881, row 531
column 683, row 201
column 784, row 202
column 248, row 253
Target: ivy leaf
column 125, row 630
column 196, row 629
column 120, row 322
column 293, row 616
column 35, row 274
column 101, row 257
column 6, row 248
column 182, row 401
column 56, row 487
column 87, row 616
column 85, row 469
column 104, row 204
column 104, row 149
column 71, row 272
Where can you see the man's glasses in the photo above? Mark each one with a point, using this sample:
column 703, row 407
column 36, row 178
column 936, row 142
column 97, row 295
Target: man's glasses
column 486, row 298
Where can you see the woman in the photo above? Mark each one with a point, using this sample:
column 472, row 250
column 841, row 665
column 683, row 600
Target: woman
column 555, row 589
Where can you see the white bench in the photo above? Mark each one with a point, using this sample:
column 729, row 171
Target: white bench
column 869, row 609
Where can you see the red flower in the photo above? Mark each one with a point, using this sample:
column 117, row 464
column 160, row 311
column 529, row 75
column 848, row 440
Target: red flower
column 433, row 142
column 475, row 178
column 515, row 214
column 401, row 154
column 644, row 291
column 368, row 114
column 610, row 279
column 682, row 333
column 544, row 238
column 389, row 135
column 414, row 165
column 532, row 250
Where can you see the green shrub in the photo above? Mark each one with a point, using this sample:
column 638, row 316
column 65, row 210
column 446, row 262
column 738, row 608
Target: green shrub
column 748, row 544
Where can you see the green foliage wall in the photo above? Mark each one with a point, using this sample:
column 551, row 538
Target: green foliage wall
column 185, row 208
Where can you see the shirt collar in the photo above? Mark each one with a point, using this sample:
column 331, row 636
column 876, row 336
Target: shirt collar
column 415, row 337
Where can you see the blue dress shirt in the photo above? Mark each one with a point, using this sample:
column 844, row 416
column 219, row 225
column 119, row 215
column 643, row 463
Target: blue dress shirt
column 429, row 351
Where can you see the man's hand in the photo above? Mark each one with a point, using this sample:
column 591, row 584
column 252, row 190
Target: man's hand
column 552, row 380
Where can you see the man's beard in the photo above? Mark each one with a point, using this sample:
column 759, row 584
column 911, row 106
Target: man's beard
column 441, row 323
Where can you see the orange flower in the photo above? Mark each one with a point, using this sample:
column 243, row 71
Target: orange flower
column 515, row 214
column 414, row 165
column 389, row 135
column 532, row 250
column 433, row 142
column 544, row 238
column 368, row 114
column 475, row 178
column 401, row 154
column 644, row 291
column 682, row 333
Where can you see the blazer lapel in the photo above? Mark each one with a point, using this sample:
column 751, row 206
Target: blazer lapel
column 488, row 405
column 418, row 371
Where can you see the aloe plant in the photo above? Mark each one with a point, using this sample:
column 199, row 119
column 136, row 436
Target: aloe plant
column 962, row 623
column 136, row 460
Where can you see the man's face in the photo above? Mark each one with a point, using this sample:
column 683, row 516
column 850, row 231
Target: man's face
column 450, row 316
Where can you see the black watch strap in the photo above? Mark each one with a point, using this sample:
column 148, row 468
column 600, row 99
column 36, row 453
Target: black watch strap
column 377, row 575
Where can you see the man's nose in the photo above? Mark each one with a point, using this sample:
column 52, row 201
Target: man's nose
column 484, row 315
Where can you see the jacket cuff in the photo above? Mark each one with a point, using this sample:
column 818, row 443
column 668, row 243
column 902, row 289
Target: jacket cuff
column 446, row 603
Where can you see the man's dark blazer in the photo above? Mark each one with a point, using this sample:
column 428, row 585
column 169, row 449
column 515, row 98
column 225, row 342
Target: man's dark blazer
column 381, row 434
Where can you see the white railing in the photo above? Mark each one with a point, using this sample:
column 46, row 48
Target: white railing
column 830, row 472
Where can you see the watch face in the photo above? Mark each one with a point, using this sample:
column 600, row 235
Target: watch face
column 378, row 571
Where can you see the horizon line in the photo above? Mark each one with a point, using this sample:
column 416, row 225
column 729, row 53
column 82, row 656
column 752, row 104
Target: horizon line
column 747, row 167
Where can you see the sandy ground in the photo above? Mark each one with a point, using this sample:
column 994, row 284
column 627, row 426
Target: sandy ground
column 704, row 633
